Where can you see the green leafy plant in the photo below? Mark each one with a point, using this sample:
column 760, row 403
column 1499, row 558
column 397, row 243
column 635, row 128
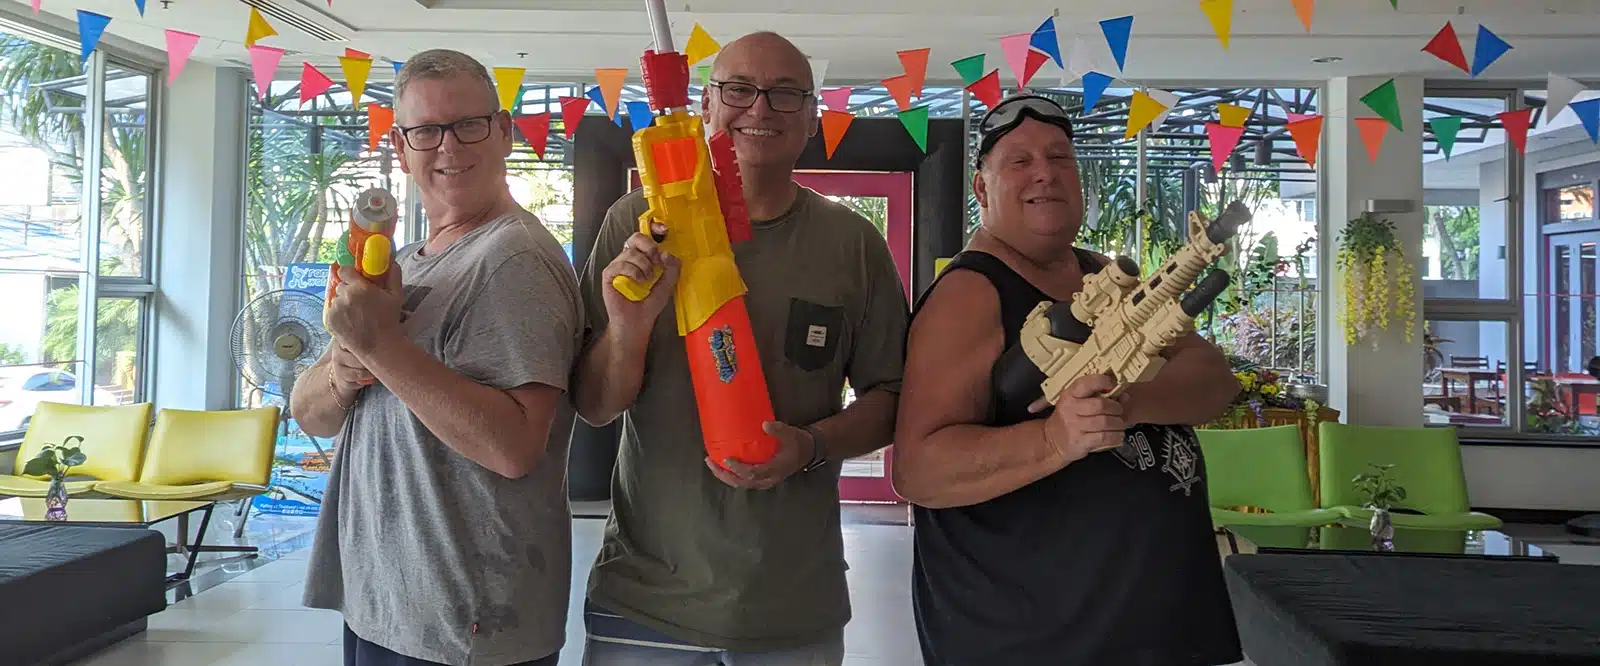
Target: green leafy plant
column 56, row 460
column 1381, row 491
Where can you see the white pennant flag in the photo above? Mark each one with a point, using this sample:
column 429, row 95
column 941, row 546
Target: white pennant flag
column 1560, row 92
column 819, row 73
column 1084, row 54
column 1167, row 99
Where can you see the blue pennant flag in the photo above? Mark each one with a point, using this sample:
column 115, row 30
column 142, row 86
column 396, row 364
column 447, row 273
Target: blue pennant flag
column 598, row 97
column 1094, row 83
column 1117, row 31
column 140, row 3
column 1589, row 113
column 639, row 115
column 1045, row 40
column 621, row 117
column 1488, row 49
column 397, row 64
column 90, row 27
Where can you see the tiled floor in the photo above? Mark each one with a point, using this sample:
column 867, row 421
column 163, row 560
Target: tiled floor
column 255, row 618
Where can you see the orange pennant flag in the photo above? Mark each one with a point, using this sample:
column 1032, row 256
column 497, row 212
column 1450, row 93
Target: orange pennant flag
column 1372, row 133
column 1305, row 8
column 900, row 88
column 1307, row 134
column 915, row 62
column 610, row 80
column 379, row 119
column 834, row 125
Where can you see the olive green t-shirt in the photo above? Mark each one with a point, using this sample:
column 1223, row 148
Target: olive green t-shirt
column 724, row 567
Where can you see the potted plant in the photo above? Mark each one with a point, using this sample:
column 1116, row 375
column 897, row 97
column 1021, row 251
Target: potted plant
column 56, row 461
column 1382, row 493
column 1378, row 280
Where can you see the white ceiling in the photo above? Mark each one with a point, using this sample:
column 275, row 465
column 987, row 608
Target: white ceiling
column 564, row 40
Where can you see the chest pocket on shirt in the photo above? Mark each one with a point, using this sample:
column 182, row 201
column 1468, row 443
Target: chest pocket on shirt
column 811, row 337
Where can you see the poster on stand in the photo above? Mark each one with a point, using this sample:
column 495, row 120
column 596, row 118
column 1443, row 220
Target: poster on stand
column 300, row 463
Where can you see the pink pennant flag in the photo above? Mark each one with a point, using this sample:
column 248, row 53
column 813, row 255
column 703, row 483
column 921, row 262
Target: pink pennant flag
column 1223, row 140
column 263, row 64
column 312, row 83
column 837, row 99
column 35, row 7
column 1016, row 50
column 1297, row 117
column 179, row 46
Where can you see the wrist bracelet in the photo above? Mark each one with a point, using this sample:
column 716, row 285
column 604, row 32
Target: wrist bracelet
column 819, row 453
column 334, row 388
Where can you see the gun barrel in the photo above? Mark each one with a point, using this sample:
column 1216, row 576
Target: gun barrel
column 1198, row 299
column 660, row 28
column 1223, row 228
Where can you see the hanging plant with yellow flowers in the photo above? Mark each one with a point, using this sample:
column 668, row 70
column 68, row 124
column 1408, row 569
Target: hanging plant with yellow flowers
column 1377, row 280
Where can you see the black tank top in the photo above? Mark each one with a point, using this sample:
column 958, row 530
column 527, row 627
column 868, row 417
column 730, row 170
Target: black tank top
column 1110, row 560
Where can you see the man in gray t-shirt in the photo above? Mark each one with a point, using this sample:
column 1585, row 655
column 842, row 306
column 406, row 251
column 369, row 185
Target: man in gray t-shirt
column 445, row 534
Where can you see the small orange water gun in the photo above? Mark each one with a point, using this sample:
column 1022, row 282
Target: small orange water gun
column 693, row 188
column 368, row 242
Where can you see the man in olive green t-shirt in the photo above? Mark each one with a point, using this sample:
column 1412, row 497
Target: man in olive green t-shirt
column 700, row 565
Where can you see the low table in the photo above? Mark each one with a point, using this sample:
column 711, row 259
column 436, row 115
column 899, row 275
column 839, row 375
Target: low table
column 128, row 513
column 1355, row 538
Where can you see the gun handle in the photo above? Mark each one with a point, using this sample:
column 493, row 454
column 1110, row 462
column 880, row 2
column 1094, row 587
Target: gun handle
column 634, row 290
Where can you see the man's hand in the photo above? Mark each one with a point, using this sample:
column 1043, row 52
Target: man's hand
column 1084, row 422
column 348, row 372
column 795, row 448
column 363, row 314
column 638, row 260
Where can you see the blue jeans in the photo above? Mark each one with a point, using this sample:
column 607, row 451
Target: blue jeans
column 619, row 642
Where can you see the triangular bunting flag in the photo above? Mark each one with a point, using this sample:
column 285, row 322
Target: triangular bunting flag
column 1395, row 4
column 397, row 65
column 180, row 45
column 312, row 82
column 355, row 76
column 258, row 29
column 1384, row 102
column 639, row 114
column 572, row 109
column 1141, row 110
column 621, row 117
column 379, row 119
column 837, row 99
column 1372, row 132
column 1307, row 135
column 352, row 53
column 1516, row 124
column 1447, row 47
column 35, row 4
column 703, row 72
column 1167, row 100
column 701, row 45
column 1588, row 112
column 140, row 5
column 1016, row 50
column 1220, row 12
column 1232, row 115
column 508, row 84
column 1488, row 49
column 915, row 63
column 1295, row 117
column 90, row 27
column 987, row 89
column 916, row 122
column 610, row 80
column 535, row 130
column 819, row 72
column 899, row 87
column 969, row 68
column 1035, row 61
column 1445, row 129
column 834, row 125
column 1559, row 92
column 263, row 64
column 1223, row 140
column 1094, row 85
column 1304, row 9
column 1045, row 40
column 599, row 100
column 1117, row 31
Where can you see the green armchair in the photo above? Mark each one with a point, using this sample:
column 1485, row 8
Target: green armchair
column 1263, row 468
column 1427, row 463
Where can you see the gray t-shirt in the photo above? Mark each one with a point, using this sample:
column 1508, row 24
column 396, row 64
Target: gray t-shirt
column 424, row 551
column 690, row 556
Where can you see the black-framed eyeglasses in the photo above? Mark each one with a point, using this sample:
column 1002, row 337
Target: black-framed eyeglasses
column 467, row 130
column 782, row 99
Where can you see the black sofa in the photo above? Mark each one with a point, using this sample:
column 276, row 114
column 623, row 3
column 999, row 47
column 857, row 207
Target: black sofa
column 67, row 591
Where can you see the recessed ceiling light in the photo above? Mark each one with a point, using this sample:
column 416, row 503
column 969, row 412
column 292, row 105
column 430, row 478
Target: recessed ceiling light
column 1327, row 59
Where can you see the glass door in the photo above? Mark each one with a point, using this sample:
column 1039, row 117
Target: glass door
column 1572, row 289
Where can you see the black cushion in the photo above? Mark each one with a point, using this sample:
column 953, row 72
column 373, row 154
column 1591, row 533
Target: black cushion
column 61, row 585
column 1376, row 610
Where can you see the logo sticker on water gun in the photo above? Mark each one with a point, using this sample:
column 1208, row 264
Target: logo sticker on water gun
column 722, row 350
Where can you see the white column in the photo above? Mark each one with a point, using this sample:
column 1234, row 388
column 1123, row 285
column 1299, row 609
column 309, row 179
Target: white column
column 1382, row 385
column 198, row 270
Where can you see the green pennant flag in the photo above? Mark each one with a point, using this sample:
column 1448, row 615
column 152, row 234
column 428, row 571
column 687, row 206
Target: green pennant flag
column 1383, row 101
column 705, row 74
column 916, row 122
column 1444, row 131
column 1394, row 3
column 970, row 68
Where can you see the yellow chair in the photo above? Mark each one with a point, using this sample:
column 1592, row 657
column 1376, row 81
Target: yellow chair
column 113, row 443
column 204, row 455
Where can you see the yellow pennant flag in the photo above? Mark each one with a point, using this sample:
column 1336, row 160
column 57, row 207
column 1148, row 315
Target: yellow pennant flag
column 1141, row 111
column 355, row 76
column 258, row 29
column 1221, row 14
column 701, row 45
column 1233, row 115
column 508, row 82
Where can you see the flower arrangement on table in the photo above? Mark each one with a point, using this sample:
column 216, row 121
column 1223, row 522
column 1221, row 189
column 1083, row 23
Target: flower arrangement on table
column 1378, row 280
column 1262, row 389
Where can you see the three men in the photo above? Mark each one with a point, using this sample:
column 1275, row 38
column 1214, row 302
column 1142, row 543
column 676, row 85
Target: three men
column 741, row 566
column 1080, row 535
column 445, row 535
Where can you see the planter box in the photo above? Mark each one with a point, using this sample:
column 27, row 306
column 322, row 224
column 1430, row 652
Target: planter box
column 1278, row 417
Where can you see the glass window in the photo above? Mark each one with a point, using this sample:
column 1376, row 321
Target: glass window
column 125, row 174
column 1574, row 203
column 1464, row 366
column 1465, row 199
column 119, row 322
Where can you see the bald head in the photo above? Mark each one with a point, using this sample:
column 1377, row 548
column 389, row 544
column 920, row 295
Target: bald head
column 765, row 53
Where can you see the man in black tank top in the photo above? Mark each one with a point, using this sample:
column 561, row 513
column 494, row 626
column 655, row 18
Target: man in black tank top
column 1079, row 534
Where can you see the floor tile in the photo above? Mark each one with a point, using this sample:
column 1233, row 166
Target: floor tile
column 306, row 626
column 234, row 596
column 134, row 652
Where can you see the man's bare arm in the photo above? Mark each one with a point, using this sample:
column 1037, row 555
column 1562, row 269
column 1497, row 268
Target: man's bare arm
column 1194, row 387
column 865, row 426
column 316, row 407
column 610, row 374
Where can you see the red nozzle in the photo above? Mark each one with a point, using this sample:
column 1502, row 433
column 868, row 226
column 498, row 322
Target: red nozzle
column 666, row 79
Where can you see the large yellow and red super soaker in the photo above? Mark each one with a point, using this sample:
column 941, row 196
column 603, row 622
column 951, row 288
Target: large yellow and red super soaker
column 368, row 243
column 693, row 188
